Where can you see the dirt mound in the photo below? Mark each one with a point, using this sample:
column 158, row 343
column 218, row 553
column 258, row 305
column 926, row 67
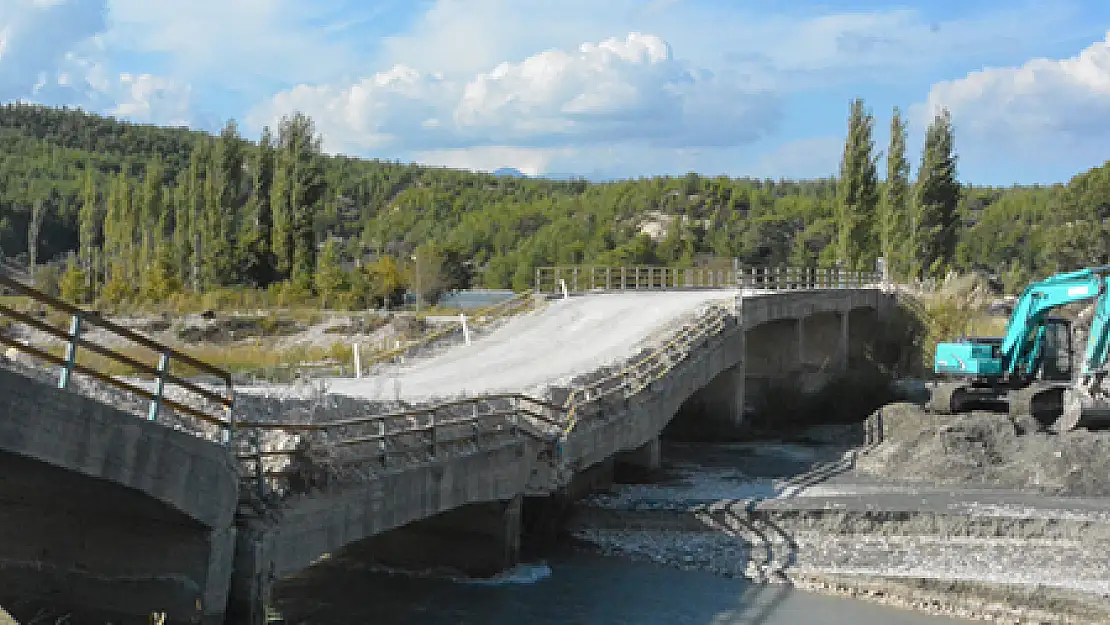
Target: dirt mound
column 986, row 449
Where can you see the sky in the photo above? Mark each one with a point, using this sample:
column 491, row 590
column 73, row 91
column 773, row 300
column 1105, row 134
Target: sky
column 599, row 88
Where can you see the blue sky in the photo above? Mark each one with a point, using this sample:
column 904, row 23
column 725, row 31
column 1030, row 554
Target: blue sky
column 608, row 89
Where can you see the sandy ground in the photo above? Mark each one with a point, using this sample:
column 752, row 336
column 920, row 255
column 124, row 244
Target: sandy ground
column 533, row 351
column 884, row 521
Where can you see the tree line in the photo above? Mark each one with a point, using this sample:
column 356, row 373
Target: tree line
column 133, row 213
column 913, row 227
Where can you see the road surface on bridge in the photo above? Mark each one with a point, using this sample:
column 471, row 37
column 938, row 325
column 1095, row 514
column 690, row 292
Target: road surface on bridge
column 533, row 351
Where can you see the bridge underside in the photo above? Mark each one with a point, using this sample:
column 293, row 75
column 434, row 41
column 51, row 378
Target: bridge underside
column 800, row 354
column 102, row 551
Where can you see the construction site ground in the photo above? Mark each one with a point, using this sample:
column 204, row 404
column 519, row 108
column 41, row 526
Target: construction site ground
column 969, row 515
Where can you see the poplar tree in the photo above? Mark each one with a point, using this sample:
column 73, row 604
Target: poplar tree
column 895, row 222
column 297, row 192
column 281, row 236
column 150, row 213
column 857, row 193
column 255, row 245
column 90, row 223
column 936, row 197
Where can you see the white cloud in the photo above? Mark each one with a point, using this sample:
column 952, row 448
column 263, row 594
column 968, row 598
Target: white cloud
column 232, row 43
column 1044, row 101
column 36, row 35
column 629, row 89
column 791, row 47
column 152, row 99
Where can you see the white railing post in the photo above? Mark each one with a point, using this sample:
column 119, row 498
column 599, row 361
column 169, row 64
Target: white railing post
column 159, row 387
column 563, row 286
column 465, row 328
column 357, row 353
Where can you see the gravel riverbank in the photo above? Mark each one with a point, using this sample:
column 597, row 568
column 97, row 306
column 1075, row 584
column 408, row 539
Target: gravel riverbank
column 971, row 516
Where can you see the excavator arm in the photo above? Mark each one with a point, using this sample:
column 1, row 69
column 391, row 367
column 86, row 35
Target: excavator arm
column 1022, row 343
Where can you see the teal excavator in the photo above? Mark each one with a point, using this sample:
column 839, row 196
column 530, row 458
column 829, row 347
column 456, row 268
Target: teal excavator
column 1033, row 369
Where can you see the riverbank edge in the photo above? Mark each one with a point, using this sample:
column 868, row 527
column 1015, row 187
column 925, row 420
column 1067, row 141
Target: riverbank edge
column 965, row 599
column 971, row 600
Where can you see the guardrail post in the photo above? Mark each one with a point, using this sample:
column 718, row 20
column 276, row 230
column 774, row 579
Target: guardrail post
column 259, row 470
column 465, row 330
column 71, row 351
column 433, row 443
column 159, row 387
column 229, row 414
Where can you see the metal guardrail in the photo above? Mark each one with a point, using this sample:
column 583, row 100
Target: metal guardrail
column 80, row 319
column 587, row 278
column 479, row 318
column 423, row 434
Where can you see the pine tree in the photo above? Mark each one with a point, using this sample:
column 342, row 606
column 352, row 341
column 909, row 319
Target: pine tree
column 858, row 193
column 894, row 217
column 937, row 197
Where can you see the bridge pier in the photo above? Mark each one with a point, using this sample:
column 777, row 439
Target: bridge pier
column 647, row 456
column 844, row 344
column 477, row 540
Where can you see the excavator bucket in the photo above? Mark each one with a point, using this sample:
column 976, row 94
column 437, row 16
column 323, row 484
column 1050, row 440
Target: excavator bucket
column 1082, row 411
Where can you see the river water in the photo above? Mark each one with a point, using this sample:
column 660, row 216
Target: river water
column 577, row 588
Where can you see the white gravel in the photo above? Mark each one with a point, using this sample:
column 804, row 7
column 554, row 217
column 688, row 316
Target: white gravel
column 534, row 351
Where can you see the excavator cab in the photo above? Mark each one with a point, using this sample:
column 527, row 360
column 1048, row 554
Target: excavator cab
column 1057, row 357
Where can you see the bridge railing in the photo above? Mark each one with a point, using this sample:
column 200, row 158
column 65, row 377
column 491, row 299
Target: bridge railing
column 586, row 278
column 652, row 365
column 477, row 319
column 80, row 320
column 392, row 440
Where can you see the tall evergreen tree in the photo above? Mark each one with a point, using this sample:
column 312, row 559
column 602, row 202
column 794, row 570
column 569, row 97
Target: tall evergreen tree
column 281, row 211
column 90, row 224
column 255, row 246
column 307, row 190
column 34, row 226
column 937, row 197
column 895, row 222
column 857, row 193
column 150, row 213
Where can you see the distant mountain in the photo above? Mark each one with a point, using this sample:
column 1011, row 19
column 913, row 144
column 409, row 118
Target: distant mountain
column 512, row 172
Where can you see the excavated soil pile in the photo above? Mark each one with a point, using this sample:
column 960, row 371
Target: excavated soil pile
column 988, row 450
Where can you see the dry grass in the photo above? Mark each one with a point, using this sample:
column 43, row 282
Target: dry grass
column 241, row 359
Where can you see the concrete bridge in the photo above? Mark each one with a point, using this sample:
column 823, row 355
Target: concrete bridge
column 131, row 517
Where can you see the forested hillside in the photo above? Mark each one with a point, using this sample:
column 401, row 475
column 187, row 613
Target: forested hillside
column 136, row 213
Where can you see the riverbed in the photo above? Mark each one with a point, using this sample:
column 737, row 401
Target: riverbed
column 570, row 588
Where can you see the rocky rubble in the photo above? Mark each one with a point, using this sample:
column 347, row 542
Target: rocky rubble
column 989, row 450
